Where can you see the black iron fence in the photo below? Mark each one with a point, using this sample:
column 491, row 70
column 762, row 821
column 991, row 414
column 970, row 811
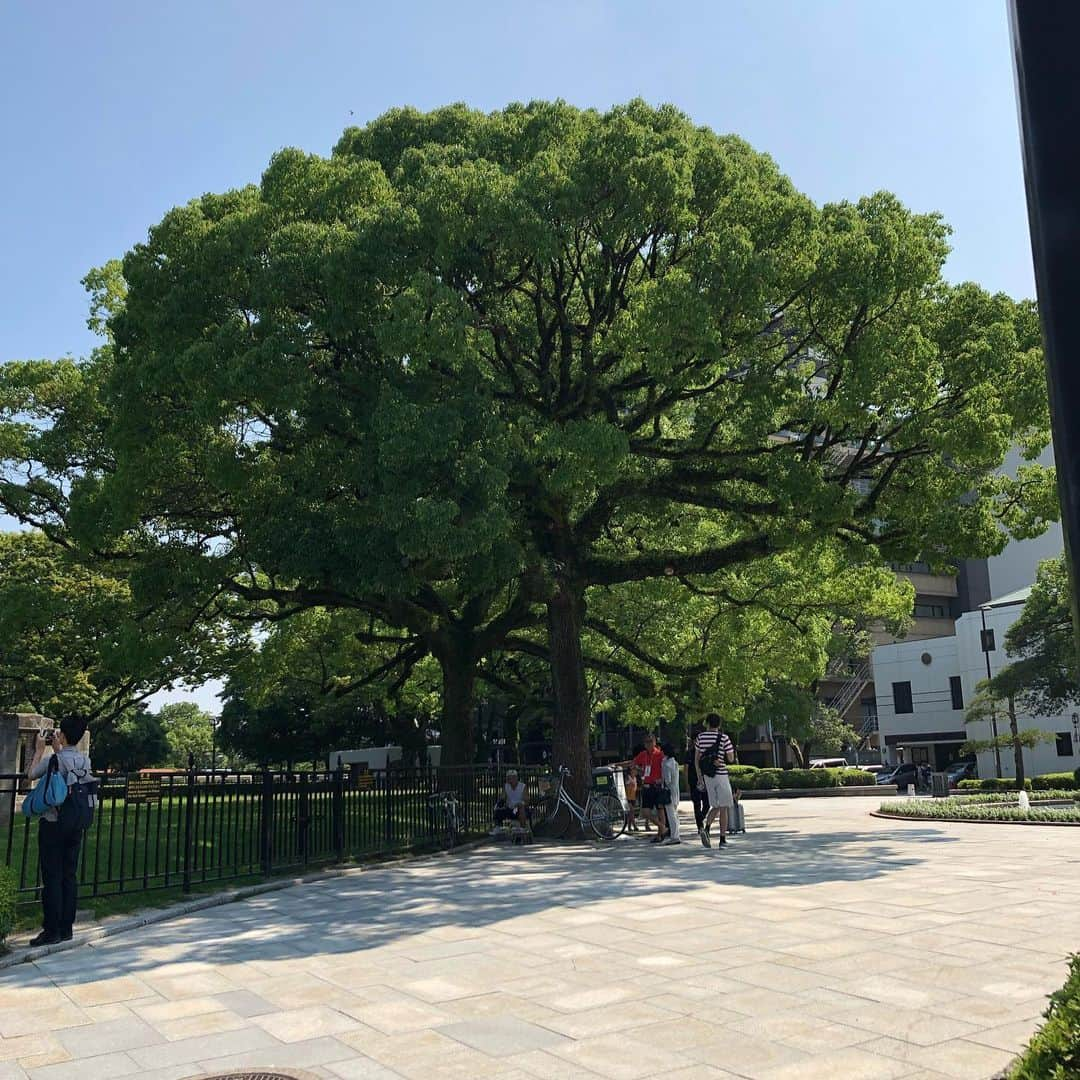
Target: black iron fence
column 183, row 829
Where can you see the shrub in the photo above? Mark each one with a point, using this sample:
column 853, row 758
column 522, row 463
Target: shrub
column 8, row 889
column 1061, row 781
column 1054, row 1050
column 743, row 776
column 857, row 778
column 809, row 778
column 993, row 784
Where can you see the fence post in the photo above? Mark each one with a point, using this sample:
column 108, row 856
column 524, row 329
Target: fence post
column 303, row 817
column 389, row 823
column 266, row 823
column 337, row 811
column 189, row 810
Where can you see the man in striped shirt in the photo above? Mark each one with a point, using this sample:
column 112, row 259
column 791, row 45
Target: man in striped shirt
column 712, row 752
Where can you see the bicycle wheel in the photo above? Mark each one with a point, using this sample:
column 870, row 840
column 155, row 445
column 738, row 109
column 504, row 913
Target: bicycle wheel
column 546, row 804
column 606, row 816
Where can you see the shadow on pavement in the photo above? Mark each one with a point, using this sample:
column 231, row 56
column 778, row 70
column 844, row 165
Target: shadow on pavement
column 378, row 907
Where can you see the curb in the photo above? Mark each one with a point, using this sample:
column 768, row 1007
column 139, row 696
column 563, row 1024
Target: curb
column 125, row 924
column 861, row 791
column 972, row 821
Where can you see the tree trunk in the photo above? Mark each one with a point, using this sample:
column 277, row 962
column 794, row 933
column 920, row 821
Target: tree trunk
column 566, row 610
column 1018, row 750
column 457, row 733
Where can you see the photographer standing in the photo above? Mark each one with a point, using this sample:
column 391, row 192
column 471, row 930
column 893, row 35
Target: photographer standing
column 58, row 842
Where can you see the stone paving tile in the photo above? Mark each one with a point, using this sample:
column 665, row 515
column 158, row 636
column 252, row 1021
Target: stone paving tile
column 323, row 1051
column 38, row 1045
column 956, row 1058
column 101, row 1067
column 361, row 1068
column 298, row 1025
column 109, row 1036
column 211, row 1023
column 207, row 1048
column 503, row 1036
column 849, row 1064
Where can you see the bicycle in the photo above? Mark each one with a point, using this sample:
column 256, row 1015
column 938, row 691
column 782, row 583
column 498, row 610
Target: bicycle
column 451, row 828
column 603, row 811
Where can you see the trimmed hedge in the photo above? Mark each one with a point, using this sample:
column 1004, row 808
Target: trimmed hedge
column 1054, row 1050
column 8, row 888
column 751, row 778
column 1004, row 784
column 1060, row 781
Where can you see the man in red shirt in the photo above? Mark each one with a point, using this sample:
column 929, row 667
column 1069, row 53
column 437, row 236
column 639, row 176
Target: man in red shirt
column 650, row 763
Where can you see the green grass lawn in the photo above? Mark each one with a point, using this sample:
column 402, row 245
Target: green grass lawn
column 140, row 847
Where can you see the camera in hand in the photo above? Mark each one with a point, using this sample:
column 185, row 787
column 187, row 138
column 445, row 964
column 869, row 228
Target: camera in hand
column 47, row 735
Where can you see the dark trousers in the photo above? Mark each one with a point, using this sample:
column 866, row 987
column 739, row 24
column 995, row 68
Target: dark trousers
column 58, row 857
column 701, row 805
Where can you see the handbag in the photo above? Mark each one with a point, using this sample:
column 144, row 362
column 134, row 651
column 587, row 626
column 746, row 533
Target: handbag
column 663, row 795
column 49, row 793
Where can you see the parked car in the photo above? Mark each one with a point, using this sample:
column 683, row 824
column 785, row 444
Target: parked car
column 962, row 770
column 901, row 776
column 829, row 763
column 877, row 770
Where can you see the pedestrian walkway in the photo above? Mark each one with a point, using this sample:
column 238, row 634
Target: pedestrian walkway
column 823, row 943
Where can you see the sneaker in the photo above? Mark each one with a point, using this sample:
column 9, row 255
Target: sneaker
column 722, row 842
column 46, row 937
column 704, row 835
column 670, row 840
column 657, row 840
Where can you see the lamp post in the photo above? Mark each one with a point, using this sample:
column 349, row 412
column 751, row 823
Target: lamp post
column 1076, row 733
column 993, row 708
column 214, row 721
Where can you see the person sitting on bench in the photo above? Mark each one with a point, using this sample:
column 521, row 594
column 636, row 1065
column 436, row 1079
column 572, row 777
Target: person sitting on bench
column 514, row 805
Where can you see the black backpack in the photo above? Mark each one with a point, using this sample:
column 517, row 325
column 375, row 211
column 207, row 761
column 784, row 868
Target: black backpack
column 76, row 813
column 709, row 757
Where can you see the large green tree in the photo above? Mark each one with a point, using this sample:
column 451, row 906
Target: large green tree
column 1041, row 643
column 475, row 363
column 74, row 639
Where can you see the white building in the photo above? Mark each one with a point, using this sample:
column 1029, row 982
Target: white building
column 923, row 688
column 1015, row 567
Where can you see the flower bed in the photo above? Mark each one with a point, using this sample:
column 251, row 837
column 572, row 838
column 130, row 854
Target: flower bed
column 964, row 809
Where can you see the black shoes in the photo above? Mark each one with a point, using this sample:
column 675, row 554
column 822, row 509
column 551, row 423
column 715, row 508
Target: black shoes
column 46, row 937
column 65, row 935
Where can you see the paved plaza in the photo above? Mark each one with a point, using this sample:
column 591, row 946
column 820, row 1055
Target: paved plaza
column 823, row 943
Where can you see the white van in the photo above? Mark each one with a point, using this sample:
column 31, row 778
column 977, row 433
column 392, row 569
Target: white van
column 829, row 763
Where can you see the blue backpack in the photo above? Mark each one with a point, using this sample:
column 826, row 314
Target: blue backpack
column 50, row 792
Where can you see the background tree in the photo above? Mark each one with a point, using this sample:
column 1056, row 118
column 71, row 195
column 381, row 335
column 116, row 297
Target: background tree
column 1041, row 644
column 189, row 731
column 997, row 697
column 135, row 740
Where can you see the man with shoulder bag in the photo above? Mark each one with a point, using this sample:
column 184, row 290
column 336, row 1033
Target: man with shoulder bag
column 65, row 810
column 713, row 752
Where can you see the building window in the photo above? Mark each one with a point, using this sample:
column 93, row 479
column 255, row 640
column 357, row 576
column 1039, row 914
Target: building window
column 911, row 567
column 1064, row 744
column 901, row 695
column 930, row 611
column 988, row 643
column 956, row 689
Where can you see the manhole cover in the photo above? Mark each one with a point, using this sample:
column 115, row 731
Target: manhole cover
column 263, row 1074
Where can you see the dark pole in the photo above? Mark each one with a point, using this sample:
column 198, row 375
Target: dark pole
column 993, row 706
column 1044, row 36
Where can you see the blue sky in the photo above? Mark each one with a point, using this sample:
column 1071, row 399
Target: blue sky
column 115, row 112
